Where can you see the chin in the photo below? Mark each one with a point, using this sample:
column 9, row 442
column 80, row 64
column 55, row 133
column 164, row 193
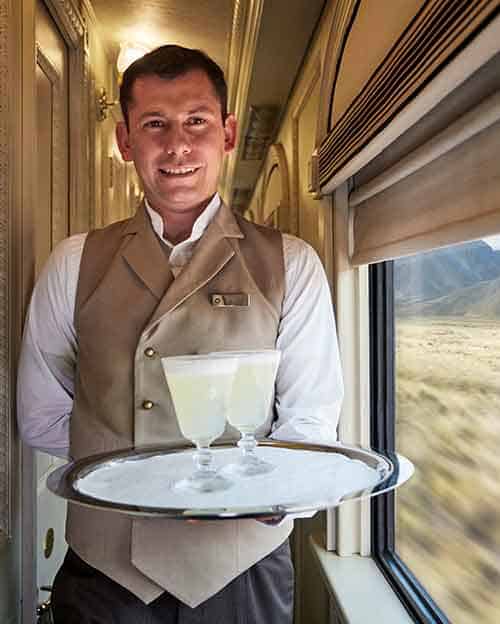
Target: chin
column 183, row 204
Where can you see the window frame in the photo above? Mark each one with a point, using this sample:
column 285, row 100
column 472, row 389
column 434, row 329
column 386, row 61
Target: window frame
column 405, row 584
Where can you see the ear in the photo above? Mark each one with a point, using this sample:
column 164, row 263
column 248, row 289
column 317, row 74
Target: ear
column 122, row 138
column 230, row 132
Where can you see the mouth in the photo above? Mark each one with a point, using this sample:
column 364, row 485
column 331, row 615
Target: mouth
column 178, row 172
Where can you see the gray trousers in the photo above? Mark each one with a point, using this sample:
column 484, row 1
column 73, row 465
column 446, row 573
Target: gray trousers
column 261, row 595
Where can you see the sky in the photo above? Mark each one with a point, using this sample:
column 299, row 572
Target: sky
column 493, row 241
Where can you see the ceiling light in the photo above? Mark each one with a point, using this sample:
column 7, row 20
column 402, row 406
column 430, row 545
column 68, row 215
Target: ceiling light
column 130, row 52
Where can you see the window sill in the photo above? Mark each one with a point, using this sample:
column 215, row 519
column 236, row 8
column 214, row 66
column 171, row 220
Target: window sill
column 360, row 591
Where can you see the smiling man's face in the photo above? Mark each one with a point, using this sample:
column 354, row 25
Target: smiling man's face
column 177, row 140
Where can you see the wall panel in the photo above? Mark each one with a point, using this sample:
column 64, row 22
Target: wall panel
column 11, row 192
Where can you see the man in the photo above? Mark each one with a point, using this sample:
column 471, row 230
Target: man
column 110, row 304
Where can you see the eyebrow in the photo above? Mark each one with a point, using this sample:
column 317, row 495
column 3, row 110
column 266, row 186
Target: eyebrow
column 201, row 109
column 193, row 111
column 152, row 113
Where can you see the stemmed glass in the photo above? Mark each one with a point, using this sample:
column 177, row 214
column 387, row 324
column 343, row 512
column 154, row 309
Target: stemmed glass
column 200, row 387
column 251, row 396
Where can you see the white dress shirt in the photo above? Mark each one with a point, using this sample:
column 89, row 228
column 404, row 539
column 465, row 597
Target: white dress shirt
column 309, row 386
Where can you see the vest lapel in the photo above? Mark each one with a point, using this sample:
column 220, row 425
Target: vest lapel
column 212, row 253
column 145, row 256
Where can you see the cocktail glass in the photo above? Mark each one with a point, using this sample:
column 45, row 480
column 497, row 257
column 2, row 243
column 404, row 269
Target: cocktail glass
column 200, row 387
column 251, row 396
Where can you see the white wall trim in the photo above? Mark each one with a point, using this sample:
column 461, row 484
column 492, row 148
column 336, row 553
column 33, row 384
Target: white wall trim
column 359, row 589
column 348, row 527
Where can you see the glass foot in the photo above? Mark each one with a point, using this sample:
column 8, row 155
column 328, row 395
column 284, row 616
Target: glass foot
column 249, row 466
column 211, row 482
column 204, row 478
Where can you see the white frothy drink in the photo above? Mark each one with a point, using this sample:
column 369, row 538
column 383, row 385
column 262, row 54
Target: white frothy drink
column 253, row 388
column 200, row 387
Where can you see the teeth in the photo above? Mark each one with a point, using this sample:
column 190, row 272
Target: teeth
column 179, row 170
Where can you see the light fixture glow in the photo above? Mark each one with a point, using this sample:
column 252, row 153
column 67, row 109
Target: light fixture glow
column 130, row 52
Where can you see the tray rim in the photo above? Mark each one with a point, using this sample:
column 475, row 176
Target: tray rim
column 395, row 469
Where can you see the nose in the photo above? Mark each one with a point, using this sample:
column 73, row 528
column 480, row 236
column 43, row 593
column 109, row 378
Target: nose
column 177, row 141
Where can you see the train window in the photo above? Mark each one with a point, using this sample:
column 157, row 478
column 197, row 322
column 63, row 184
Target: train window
column 435, row 352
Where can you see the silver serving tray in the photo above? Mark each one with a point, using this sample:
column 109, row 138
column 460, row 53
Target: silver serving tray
column 387, row 472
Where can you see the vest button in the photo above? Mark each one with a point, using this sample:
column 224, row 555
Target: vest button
column 149, row 352
column 147, row 405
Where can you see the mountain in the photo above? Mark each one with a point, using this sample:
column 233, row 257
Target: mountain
column 435, row 274
column 481, row 300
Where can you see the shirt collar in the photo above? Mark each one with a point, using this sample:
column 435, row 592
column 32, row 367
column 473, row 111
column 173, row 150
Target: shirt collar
column 199, row 226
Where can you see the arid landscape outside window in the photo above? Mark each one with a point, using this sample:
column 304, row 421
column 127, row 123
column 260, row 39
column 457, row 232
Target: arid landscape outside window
column 447, row 311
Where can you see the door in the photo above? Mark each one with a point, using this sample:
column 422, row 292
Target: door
column 51, row 224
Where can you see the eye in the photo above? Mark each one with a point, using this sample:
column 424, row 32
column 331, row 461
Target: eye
column 154, row 123
column 196, row 121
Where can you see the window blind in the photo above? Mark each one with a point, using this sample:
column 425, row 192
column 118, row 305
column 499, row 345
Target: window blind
column 446, row 191
column 431, row 39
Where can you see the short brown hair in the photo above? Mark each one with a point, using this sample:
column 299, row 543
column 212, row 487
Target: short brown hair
column 169, row 62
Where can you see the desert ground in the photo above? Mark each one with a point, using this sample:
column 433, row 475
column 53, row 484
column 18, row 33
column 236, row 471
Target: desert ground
column 448, row 424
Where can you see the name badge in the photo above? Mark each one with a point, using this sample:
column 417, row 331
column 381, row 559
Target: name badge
column 230, row 300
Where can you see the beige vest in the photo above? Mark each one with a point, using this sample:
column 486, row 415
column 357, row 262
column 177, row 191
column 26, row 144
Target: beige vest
column 129, row 313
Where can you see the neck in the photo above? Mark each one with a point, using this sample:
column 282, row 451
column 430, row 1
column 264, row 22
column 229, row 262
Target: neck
column 177, row 226
column 178, row 230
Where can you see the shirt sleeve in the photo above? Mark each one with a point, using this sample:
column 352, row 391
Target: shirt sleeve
column 309, row 387
column 45, row 384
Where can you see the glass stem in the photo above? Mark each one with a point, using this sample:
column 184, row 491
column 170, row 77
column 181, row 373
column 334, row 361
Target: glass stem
column 203, row 459
column 247, row 444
